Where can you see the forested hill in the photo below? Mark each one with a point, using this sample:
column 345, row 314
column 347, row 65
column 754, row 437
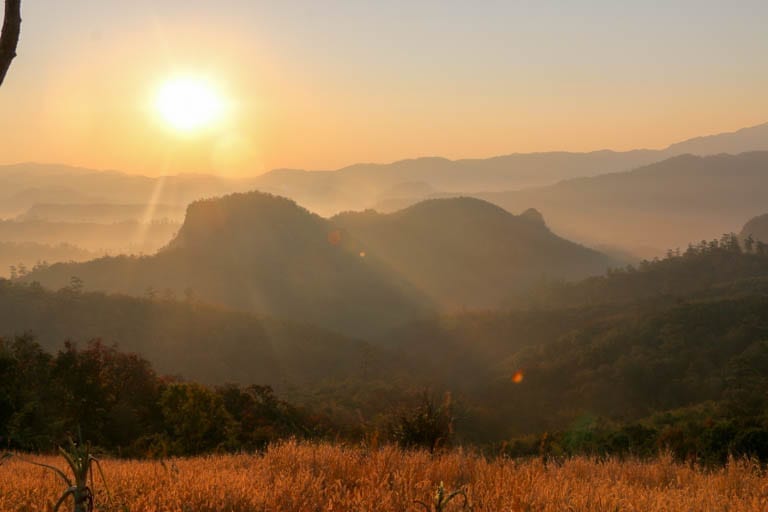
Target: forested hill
column 360, row 274
column 186, row 338
column 464, row 252
column 688, row 331
column 703, row 267
column 675, row 347
column 260, row 253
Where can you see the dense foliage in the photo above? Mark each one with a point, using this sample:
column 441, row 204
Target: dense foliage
column 118, row 402
column 625, row 349
column 181, row 336
column 706, row 265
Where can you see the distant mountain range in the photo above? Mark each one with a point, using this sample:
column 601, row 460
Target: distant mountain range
column 100, row 238
column 25, row 255
column 369, row 185
column 754, row 138
column 103, row 213
column 24, row 185
column 629, row 204
column 350, row 188
column 653, row 208
column 358, row 273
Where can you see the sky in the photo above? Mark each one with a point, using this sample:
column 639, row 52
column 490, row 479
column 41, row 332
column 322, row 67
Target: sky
column 322, row 84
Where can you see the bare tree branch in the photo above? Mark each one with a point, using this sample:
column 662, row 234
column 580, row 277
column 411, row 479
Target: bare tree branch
column 9, row 37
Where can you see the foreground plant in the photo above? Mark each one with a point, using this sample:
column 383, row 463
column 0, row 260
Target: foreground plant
column 442, row 498
column 80, row 462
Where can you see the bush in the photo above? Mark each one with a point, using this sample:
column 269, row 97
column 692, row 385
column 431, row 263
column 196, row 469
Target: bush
column 427, row 425
column 752, row 442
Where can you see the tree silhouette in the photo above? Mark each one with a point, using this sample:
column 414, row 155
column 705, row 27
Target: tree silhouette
column 9, row 37
column 749, row 244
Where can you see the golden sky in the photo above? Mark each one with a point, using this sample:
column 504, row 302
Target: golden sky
column 320, row 85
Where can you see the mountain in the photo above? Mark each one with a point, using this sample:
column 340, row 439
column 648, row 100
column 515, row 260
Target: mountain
column 387, row 187
column 695, row 197
column 102, row 213
column 26, row 255
column 364, row 185
column 356, row 272
column 360, row 273
column 652, row 208
column 120, row 237
column 754, row 138
column 369, row 185
column 717, row 266
column 464, row 252
column 24, row 185
column 261, row 253
column 21, row 198
column 757, row 228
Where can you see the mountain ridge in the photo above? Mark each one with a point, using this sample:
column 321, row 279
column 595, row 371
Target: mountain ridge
column 357, row 186
column 261, row 253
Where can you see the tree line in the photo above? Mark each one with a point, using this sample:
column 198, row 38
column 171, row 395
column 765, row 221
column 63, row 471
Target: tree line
column 118, row 402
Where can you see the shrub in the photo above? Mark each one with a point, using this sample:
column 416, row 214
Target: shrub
column 427, row 425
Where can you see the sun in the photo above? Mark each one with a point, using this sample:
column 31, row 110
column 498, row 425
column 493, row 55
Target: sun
column 189, row 104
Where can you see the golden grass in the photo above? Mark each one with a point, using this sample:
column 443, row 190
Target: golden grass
column 313, row 478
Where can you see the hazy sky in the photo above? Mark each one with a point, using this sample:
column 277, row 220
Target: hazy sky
column 321, row 84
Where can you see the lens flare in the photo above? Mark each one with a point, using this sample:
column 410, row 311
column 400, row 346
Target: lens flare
column 334, row 237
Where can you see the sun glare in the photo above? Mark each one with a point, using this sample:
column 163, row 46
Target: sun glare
column 189, row 104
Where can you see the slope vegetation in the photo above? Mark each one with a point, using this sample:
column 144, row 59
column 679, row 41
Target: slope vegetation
column 259, row 253
column 186, row 338
column 464, row 252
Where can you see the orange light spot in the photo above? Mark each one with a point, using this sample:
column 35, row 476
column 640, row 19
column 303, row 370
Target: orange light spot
column 517, row 378
column 362, row 254
column 334, row 237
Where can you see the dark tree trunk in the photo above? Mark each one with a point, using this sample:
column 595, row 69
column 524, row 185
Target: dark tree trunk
column 10, row 35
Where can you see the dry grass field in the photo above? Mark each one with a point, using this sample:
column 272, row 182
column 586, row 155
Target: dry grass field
column 314, row 478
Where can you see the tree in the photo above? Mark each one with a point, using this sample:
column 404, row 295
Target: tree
column 76, row 285
column 27, row 405
column 261, row 417
column 195, row 418
column 749, row 244
column 9, row 38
